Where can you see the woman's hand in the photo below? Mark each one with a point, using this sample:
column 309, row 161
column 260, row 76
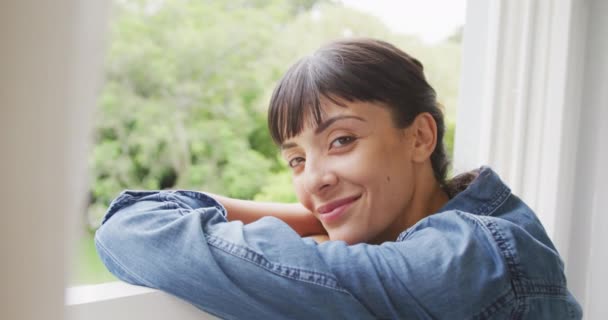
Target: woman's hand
column 294, row 214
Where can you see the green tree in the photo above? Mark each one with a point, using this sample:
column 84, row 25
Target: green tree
column 188, row 83
column 187, row 87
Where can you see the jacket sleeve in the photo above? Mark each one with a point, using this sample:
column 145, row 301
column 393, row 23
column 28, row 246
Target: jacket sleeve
column 180, row 242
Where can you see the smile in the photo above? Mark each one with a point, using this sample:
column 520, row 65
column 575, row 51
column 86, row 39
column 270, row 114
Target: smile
column 335, row 210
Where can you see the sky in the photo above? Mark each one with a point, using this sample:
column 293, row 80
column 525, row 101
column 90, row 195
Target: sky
column 430, row 20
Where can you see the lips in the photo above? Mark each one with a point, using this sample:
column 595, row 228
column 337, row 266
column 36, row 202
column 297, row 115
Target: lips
column 335, row 204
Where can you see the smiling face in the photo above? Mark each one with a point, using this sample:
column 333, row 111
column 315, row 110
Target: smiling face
column 360, row 126
column 355, row 171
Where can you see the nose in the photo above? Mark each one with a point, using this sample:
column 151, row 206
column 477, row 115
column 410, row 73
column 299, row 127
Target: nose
column 319, row 176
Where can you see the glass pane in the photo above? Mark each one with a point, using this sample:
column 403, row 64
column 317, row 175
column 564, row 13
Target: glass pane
column 187, row 84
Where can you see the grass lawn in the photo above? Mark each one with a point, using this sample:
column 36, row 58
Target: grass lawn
column 88, row 268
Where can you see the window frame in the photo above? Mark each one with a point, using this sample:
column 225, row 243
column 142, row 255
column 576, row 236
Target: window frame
column 523, row 69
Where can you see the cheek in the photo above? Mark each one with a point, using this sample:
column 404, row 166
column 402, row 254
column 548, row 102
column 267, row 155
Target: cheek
column 360, row 163
column 369, row 168
column 303, row 196
column 397, row 186
column 391, row 176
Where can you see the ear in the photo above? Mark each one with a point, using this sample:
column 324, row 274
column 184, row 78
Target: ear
column 425, row 136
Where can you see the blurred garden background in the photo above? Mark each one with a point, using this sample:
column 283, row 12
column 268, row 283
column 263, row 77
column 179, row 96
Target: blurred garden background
column 187, row 83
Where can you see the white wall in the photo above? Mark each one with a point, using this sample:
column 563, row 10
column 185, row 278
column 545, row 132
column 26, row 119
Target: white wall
column 534, row 105
column 587, row 253
column 50, row 54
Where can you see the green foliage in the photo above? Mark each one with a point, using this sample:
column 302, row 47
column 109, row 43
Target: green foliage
column 278, row 189
column 188, row 82
column 88, row 268
column 186, row 90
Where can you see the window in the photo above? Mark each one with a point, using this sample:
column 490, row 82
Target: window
column 187, row 85
column 43, row 147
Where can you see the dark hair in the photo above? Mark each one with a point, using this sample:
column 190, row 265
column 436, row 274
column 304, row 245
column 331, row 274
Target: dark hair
column 356, row 70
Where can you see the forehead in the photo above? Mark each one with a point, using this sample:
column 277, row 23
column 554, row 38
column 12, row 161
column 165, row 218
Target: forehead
column 373, row 112
column 357, row 115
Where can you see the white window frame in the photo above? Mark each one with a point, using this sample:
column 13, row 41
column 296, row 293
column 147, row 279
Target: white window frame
column 522, row 69
column 122, row 301
column 531, row 106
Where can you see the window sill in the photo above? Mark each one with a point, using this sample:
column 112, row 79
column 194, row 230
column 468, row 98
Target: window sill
column 119, row 300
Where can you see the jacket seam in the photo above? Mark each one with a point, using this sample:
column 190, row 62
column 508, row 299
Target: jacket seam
column 505, row 249
column 498, row 198
column 500, row 303
column 120, row 265
column 202, row 197
column 512, row 268
column 535, row 289
column 123, row 200
column 278, row 269
column 520, row 289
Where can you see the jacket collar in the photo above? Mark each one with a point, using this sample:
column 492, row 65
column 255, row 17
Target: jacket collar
column 482, row 196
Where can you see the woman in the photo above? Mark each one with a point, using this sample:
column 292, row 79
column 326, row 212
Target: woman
column 361, row 130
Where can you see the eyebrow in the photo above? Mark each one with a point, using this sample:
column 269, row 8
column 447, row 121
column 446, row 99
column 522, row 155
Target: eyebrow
column 322, row 127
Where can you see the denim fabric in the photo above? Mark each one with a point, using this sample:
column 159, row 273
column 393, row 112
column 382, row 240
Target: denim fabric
column 485, row 255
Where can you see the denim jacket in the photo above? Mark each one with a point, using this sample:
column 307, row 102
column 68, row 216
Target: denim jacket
column 484, row 255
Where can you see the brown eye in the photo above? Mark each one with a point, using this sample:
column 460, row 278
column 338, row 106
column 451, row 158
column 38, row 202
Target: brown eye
column 342, row 141
column 295, row 162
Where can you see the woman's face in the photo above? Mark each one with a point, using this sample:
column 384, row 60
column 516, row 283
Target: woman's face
column 354, row 171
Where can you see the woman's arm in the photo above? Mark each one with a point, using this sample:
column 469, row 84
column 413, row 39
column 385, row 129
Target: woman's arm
column 294, row 214
column 180, row 242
